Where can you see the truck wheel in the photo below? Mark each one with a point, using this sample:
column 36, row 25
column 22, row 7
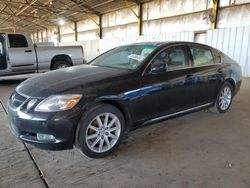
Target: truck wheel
column 60, row 65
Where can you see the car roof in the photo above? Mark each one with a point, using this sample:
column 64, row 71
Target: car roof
column 163, row 43
column 157, row 43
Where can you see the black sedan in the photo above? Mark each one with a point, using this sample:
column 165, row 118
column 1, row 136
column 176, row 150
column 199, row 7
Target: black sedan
column 92, row 106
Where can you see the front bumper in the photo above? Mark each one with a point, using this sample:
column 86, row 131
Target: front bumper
column 61, row 125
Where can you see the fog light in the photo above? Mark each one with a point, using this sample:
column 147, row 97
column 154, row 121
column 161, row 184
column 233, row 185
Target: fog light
column 45, row 137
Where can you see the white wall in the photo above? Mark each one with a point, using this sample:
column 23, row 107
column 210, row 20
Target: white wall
column 92, row 48
column 168, row 20
column 160, row 16
column 238, row 16
column 235, row 42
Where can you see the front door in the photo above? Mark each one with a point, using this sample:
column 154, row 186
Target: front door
column 21, row 53
column 169, row 91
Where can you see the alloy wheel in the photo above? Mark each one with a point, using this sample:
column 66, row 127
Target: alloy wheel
column 103, row 132
column 225, row 98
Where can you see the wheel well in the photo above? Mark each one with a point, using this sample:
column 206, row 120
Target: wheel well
column 125, row 113
column 128, row 121
column 65, row 58
column 231, row 81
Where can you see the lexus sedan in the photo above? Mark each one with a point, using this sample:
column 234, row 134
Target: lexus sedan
column 92, row 106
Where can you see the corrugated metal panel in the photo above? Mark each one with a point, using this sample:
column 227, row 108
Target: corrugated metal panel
column 234, row 42
column 106, row 44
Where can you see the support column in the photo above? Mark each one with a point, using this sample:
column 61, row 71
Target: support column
column 58, row 34
column 33, row 36
column 47, row 35
column 215, row 13
column 76, row 31
column 42, row 36
column 139, row 15
column 140, row 19
column 100, row 26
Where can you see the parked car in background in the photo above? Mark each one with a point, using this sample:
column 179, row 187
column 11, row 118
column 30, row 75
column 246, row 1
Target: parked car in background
column 19, row 55
column 92, row 106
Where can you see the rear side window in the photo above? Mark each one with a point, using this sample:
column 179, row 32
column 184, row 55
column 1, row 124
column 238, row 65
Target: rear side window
column 201, row 56
column 17, row 41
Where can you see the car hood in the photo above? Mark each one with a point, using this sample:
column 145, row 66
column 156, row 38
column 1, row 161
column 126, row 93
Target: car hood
column 61, row 80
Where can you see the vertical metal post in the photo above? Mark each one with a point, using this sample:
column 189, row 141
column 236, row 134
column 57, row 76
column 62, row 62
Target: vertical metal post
column 42, row 36
column 33, row 36
column 58, row 34
column 100, row 26
column 76, row 31
column 139, row 15
column 140, row 19
column 37, row 37
column 215, row 13
column 47, row 35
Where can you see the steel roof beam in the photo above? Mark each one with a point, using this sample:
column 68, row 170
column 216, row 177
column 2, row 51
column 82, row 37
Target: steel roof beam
column 93, row 11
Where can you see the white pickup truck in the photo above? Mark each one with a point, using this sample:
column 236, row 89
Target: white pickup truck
column 19, row 55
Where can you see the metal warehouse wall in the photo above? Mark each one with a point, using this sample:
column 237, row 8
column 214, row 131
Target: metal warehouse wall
column 92, row 48
column 159, row 16
column 166, row 20
column 234, row 42
column 162, row 16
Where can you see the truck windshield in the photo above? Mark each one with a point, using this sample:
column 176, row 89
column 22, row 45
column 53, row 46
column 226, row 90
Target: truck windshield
column 125, row 57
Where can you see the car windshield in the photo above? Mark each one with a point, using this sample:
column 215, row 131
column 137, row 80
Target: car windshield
column 125, row 57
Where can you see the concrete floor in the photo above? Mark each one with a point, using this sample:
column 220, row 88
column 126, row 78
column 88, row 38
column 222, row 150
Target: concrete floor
column 197, row 150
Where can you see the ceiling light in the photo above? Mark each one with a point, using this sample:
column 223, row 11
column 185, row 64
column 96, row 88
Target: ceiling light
column 61, row 22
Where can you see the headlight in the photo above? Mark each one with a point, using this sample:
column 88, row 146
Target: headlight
column 31, row 103
column 58, row 103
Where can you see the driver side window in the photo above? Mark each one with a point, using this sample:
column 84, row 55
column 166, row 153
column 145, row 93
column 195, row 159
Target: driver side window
column 173, row 58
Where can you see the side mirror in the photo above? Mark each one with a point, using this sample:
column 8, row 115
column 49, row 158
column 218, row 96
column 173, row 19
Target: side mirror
column 85, row 61
column 158, row 67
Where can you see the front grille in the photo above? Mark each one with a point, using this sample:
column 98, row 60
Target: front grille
column 16, row 100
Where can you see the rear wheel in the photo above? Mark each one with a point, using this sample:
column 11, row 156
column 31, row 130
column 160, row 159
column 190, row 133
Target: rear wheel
column 224, row 98
column 60, row 65
column 100, row 131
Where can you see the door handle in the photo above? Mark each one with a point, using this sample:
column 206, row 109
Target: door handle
column 28, row 51
column 189, row 76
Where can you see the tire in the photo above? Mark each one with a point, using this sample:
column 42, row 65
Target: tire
column 60, row 65
column 97, row 141
column 224, row 99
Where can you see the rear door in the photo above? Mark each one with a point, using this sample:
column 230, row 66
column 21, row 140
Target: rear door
column 206, row 73
column 21, row 52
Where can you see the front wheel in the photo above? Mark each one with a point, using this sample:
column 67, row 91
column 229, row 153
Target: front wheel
column 224, row 99
column 100, row 131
